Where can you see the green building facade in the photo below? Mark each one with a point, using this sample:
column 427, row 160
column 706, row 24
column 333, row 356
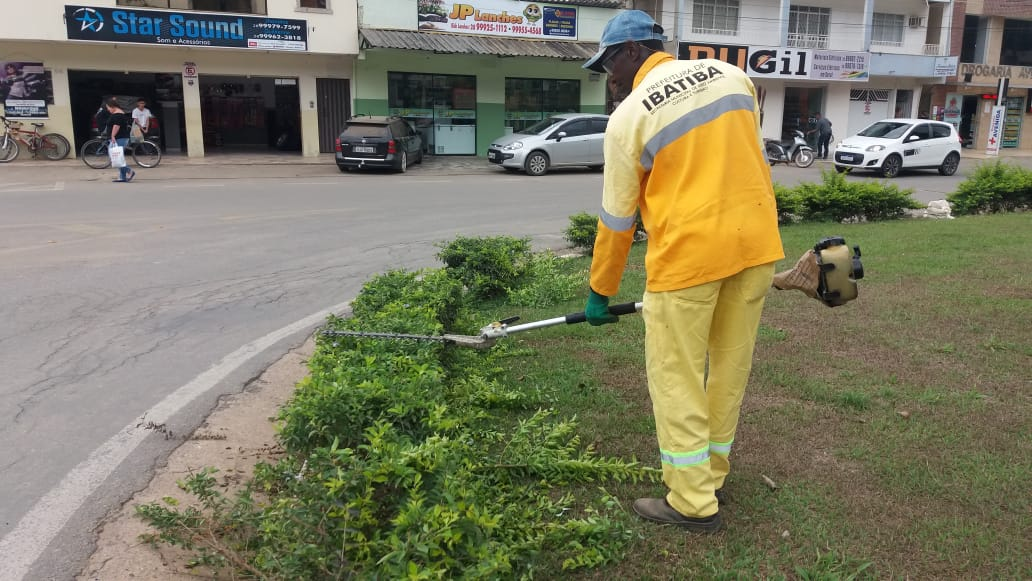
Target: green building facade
column 462, row 90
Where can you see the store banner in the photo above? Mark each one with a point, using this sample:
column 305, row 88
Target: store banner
column 839, row 65
column 951, row 113
column 25, row 90
column 784, row 63
column 996, row 118
column 498, row 18
column 945, row 66
column 184, row 28
column 988, row 75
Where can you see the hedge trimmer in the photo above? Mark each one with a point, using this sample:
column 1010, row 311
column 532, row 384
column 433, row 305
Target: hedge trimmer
column 827, row 273
column 490, row 333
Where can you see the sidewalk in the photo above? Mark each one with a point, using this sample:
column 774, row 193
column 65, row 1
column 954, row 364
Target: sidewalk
column 1005, row 154
column 230, row 165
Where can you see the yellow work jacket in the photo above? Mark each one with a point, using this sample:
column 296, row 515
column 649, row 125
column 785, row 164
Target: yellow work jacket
column 685, row 148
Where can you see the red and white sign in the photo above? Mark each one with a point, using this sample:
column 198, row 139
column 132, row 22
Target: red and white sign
column 952, row 112
column 189, row 71
column 995, row 130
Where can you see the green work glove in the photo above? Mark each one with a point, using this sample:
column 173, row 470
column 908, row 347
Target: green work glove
column 597, row 310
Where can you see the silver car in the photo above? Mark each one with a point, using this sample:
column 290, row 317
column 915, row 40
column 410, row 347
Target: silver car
column 569, row 139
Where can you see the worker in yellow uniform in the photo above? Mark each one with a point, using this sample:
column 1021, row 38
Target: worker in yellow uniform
column 684, row 149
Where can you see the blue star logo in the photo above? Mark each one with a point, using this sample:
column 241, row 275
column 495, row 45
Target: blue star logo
column 91, row 19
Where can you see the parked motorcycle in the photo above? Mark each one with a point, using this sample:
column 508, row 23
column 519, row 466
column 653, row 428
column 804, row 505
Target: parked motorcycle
column 794, row 150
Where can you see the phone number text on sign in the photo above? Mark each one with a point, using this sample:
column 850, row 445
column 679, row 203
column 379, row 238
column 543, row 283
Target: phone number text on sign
column 277, row 36
column 278, row 26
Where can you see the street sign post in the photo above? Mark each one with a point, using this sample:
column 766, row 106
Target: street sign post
column 997, row 117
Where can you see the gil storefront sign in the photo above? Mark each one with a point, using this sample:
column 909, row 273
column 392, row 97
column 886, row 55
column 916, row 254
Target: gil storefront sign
column 498, row 18
column 184, row 29
column 785, row 63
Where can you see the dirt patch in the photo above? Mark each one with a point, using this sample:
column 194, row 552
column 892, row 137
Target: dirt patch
column 237, row 435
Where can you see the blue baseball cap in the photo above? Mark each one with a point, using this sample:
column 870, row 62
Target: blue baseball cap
column 627, row 25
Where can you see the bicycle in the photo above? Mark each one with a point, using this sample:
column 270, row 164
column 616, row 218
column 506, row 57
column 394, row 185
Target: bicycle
column 94, row 153
column 53, row 145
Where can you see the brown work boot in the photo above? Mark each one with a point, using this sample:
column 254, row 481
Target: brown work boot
column 658, row 510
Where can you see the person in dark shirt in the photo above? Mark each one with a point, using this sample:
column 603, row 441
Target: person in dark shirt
column 102, row 116
column 823, row 130
column 120, row 122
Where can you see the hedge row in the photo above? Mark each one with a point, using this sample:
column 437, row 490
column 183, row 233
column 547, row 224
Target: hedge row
column 404, row 460
column 837, row 199
column 993, row 187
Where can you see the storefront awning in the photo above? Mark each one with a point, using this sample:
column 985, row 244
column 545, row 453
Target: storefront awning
column 440, row 42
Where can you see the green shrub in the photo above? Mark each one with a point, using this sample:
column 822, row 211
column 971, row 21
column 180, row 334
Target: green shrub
column 789, row 204
column 546, row 284
column 584, row 228
column 486, row 265
column 837, row 199
column 993, row 187
column 582, row 231
column 399, row 466
column 435, row 290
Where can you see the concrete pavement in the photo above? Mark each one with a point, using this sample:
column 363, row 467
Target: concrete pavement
column 226, row 165
column 284, row 165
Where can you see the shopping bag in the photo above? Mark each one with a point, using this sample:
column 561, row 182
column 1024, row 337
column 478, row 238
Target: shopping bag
column 136, row 134
column 117, row 153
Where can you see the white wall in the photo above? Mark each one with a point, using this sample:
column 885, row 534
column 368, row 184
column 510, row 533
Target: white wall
column 858, row 119
column 758, row 24
column 836, row 106
column 773, row 108
column 913, row 38
column 330, row 31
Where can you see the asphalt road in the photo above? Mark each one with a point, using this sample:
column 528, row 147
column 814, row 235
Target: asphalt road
column 126, row 310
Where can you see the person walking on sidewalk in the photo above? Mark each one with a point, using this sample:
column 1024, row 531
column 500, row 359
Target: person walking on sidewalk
column 684, row 149
column 823, row 130
column 119, row 123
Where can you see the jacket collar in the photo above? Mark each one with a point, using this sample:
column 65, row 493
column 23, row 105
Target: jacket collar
column 650, row 63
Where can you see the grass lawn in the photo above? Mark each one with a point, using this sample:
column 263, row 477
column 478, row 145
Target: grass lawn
column 898, row 428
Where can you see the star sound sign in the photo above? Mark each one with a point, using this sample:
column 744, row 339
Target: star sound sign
column 124, row 24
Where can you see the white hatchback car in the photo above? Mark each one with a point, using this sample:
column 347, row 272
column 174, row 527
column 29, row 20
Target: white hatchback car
column 567, row 139
column 892, row 145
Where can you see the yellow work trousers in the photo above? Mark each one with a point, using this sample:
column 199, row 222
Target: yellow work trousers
column 696, row 414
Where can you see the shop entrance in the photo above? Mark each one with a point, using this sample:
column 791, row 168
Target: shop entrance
column 969, row 119
column 443, row 108
column 162, row 92
column 250, row 114
column 801, row 103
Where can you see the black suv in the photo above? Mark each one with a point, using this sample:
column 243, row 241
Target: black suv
column 388, row 142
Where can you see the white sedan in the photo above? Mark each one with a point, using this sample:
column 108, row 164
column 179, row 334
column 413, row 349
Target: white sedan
column 892, row 145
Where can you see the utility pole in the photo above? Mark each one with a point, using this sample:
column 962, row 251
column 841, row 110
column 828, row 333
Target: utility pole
column 676, row 36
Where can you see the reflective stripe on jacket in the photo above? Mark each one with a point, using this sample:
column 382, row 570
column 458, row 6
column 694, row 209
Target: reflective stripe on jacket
column 685, row 148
